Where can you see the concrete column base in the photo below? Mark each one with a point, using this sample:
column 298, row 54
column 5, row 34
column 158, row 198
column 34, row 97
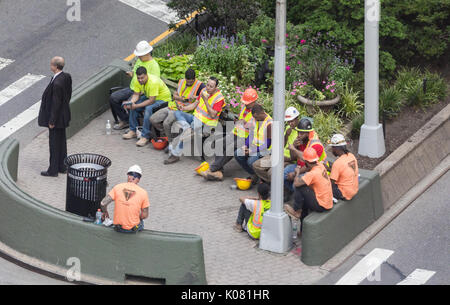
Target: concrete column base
column 276, row 233
column 371, row 141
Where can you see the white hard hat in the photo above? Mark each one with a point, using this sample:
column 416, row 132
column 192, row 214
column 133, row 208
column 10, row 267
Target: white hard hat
column 143, row 48
column 135, row 169
column 291, row 114
column 338, row 140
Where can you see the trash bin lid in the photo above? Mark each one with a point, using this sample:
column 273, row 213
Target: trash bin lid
column 84, row 166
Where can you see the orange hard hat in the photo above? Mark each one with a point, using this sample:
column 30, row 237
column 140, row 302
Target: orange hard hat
column 250, row 95
column 310, row 155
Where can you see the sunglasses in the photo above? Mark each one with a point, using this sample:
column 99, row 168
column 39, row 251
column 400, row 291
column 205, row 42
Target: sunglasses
column 134, row 175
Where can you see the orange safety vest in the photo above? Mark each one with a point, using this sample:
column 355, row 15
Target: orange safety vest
column 240, row 130
column 201, row 112
column 254, row 223
column 259, row 134
column 186, row 92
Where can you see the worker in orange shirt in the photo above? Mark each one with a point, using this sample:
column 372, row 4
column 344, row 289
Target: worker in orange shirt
column 313, row 191
column 344, row 171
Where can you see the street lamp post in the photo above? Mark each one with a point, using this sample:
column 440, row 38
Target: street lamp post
column 276, row 230
column 371, row 140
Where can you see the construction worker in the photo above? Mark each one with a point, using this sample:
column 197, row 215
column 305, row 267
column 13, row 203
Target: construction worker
column 344, row 172
column 131, row 203
column 240, row 132
column 250, row 215
column 306, row 138
column 144, row 53
column 313, row 191
column 258, row 143
column 262, row 167
column 188, row 90
column 208, row 107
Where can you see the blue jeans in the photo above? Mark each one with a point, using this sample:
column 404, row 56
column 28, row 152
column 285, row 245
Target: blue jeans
column 182, row 116
column 176, row 147
column 246, row 162
column 289, row 169
column 148, row 111
column 140, row 227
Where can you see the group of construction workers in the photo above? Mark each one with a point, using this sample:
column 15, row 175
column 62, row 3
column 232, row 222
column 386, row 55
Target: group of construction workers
column 195, row 110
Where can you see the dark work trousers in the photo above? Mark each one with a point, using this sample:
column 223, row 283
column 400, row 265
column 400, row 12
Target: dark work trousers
column 305, row 200
column 58, row 150
column 115, row 102
column 337, row 192
column 243, row 214
column 220, row 161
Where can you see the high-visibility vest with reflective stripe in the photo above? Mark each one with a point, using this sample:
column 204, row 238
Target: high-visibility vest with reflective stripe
column 291, row 139
column 201, row 112
column 240, row 130
column 254, row 223
column 260, row 132
column 185, row 92
column 314, row 139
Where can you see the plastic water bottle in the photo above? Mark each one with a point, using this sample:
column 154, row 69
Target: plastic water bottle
column 98, row 217
column 294, row 228
column 108, row 127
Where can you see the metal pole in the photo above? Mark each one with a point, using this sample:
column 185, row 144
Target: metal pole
column 276, row 230
column 371, row 141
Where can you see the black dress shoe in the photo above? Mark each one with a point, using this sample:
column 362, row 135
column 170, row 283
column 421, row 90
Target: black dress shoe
column 46, row 174
column 64, row 171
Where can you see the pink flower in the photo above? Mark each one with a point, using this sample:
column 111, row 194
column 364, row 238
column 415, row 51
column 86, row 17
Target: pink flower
column 292, row 93
column 296, row 36
column 332, row 90
column 263, row 40
column 287, row 35
column 288, row 68
column 302, row 41
column 299, row 62
column 227, row 47
column 168, row 55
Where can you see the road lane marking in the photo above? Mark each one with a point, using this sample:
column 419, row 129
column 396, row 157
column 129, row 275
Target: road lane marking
column 4, row 62
column 19, row 86
column 19, row 121
column 365, row 267
column 154, row 8
column 418, row 277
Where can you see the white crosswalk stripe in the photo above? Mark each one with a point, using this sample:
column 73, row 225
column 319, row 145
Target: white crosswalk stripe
column 154, row 8
column 4, row 62
column 19, row 121
column 18, row 86
column 365, row 267
column 418, row 277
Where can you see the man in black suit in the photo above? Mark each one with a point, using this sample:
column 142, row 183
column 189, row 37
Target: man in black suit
column 55, row 114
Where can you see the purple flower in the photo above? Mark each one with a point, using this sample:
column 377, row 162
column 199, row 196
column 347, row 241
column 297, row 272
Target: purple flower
column 288, row 68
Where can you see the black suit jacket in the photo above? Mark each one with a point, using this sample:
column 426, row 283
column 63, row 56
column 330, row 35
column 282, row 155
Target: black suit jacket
column 55, row 107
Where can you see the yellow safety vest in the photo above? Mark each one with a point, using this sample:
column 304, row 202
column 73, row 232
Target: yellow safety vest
column 314, row 139
column 254, row 223
column 240, row 130
column 259, row 133
column 291, row 139
column 185, row 92
column 201, row 112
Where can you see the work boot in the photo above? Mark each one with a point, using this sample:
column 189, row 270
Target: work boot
column 255, row 179
column 172, row 159
column 142, row 142
column 166, row 150
column 291, row 212
column 121, row 125
column 129, row 135
column 214, row 176
column 238, row 228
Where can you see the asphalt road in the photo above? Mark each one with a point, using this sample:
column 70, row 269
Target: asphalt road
column 419, row 238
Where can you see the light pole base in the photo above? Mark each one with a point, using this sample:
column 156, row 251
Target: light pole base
column 276, row 233
column 371, row 141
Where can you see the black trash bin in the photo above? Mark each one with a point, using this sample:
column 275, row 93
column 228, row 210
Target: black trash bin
column 86, row 183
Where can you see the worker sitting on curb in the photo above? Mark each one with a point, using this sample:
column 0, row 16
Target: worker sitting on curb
column 313, row 191
column 131, row 203
column 258, row 143
column 144, row 53
column 251, row 212
column 263, row 167
column 344, row 172
column 150, row 92
column 188, row 90
column 208, row 107
column 307, row 137
column 240, row 132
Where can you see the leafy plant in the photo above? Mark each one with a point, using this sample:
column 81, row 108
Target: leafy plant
column 406, row 77
column 178, row 44
column 174, row 68
column 416, row 96
column 357, row 122
column 349, row 105
column 390, row 101
column 326, row 124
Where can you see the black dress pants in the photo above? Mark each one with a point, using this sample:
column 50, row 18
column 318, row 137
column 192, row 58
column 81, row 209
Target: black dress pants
column 115, row 102
column 58, row 150
column 305, row 200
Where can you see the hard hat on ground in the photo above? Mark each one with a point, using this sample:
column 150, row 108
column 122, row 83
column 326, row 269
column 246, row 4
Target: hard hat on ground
column 135, row 169
column 338, row 140
column 291, row 114
column 143, row 48
column 305, row 125
column 310, row 155
column 250, row 95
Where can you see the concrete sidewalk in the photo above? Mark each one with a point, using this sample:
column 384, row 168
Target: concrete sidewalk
column 180, row 201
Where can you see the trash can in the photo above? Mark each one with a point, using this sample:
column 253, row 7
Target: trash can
column 86, row 183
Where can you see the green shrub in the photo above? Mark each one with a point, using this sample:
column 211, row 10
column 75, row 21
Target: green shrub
column 416, row 96
column 390, row 101
column 435, row 85
column 178, row 44
column 357, row 122
column 175, row 67
column 326, row 124
column 349, row 105
column 406, row 77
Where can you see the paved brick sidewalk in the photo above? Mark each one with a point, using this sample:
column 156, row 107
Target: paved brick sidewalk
column 180, row 201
